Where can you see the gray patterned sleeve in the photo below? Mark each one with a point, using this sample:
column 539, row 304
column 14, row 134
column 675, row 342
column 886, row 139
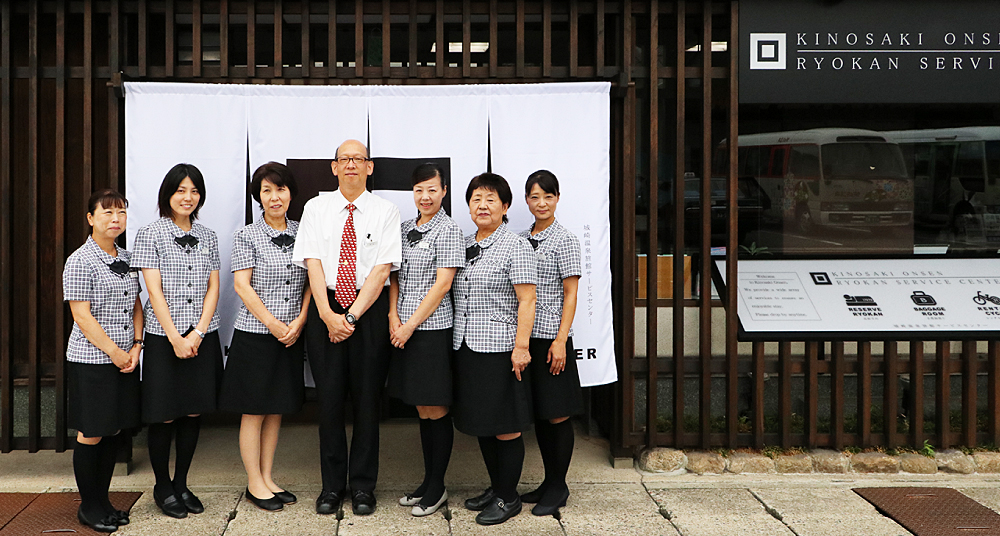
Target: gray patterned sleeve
column 243, row 250
column 215, row 262
column 78, row 280
column 568, row 256
column 451, row 248
column 144, row 254
column 523, row 264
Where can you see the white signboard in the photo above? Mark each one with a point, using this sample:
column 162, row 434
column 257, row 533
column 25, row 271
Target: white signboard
column 852, row 298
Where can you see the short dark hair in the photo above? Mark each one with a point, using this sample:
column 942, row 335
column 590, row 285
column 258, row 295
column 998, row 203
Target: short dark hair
column 545, row 179
column 336, row 154
column 106, row 198
column 172, row 181
column 425, row 172
column 277, row 174
column 493, row 183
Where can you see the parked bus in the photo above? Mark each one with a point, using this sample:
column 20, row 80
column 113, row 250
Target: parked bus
column 823, row 177
column 955, row 173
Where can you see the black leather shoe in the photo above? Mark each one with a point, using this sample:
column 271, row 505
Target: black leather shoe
column 362, row 502
column 328, row 502
column 499, row 511
column 271, row 504
column 121, row 517
column 534, row 495
column 286, row 497
column 481, row 501
column 550, row 505
column 171, row 506
column 191, row 503
column 107, row 524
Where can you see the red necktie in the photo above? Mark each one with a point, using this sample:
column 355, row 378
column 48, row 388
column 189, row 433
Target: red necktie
column 347, row 288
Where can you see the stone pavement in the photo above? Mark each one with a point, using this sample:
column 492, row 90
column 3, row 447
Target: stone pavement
column 603, row 500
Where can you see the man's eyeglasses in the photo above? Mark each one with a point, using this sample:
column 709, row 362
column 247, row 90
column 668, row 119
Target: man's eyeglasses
column 358, row 160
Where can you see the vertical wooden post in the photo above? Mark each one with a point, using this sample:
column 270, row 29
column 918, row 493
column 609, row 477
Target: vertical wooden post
column 196, row 54
column 652, row 292
column 864, row 392
column 732, row 196
column 916, row 401
column 306, row 53
column 785, row 397
column 59, row 206
column 942, row 393
column 31, row 223
column 758, row 394
column 890, row 378
column 837, row 394
column 812, row 392
column 969, row 360
column 279, row 27
column 679, row 169
column 6, row 206
column 705, row 288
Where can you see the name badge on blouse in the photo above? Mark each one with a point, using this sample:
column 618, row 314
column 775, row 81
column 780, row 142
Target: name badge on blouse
column 133, row 274
column 423, row 245
column 540, row 255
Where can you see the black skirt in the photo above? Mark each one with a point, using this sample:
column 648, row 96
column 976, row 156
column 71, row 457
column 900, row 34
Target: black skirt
column 489, row 401
column 102, row 400
column 554, row 396
column 173, row 387
column 420, row 374
column 262, row 376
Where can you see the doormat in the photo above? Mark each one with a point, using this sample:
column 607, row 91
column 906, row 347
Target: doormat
column 933, row 511
column 47, row 513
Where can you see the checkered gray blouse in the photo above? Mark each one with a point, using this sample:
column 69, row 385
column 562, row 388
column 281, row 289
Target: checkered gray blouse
column 88, row 278
column 485, row 300
column 277, row 281
column 440, row 246
column 184, row 271
column 558, row 255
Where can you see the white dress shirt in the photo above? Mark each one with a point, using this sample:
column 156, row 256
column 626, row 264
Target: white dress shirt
column 376, row 224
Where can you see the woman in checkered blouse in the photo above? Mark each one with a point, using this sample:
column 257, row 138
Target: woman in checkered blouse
column 263, row 378
column 555, row 383
column 420, row 320
column 102, row 353
column 182, row 366
column 494, row 312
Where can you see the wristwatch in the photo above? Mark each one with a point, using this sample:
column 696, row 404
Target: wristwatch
column 139, row 342
column 200, row 333
column 351, row 319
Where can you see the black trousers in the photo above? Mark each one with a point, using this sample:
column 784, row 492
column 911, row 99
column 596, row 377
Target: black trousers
column 357, row 367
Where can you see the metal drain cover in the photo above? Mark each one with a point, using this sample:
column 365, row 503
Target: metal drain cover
column 933, row 511
column 56, row 513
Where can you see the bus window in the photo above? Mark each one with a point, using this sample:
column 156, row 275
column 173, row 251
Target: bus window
column 861, row 160
column 777, row 163
column 804, row 161
column 993, row 160
column 970, row 160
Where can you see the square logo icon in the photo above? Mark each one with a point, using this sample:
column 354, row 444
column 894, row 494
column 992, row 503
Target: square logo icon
column 820, row 278
column 767, row 51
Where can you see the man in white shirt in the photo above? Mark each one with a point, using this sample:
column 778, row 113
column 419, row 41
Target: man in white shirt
column 349, row 241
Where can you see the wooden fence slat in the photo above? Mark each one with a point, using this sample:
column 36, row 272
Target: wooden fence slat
column 864, row 386
column 279, row 23
column 59, row 224
column 88, row 102
column 705, row 290
column 31, row 222
column 170, row 33
column 331, row 55
column 758, row 394
column 494, row 16
column 466, row 38
column 196, row 54
column 442, row 46
column 678, row 201
column 837, row 395
column 992, row 395
column 652, row 335
column 251, row 38
column 732, row 197
column 306, row 57
column 785, row 397
column 386, row 32
column 916, row 399
column 519, row 23
column 812, row 392
column 969, row 423
column 574, row 38
column 627, row 393
column 223, row 38
column 143, row 34
column 6, row 207
column 547, row 37
column 359, row 38
column 890, row 407
column 942, row 393
column 113, row 102
column 599, row 54
column 412, row 64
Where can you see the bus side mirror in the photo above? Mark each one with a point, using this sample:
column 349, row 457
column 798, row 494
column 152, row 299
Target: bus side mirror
column 973, row 184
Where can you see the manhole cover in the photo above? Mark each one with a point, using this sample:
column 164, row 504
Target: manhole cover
column 54, row 513
column 933, row 511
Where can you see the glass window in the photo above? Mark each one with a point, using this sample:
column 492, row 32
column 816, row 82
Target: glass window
column 805, row 161
column 853, row 160
column 993, row 160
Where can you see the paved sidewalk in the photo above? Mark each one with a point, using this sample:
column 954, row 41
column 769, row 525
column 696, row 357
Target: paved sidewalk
column 603, row 500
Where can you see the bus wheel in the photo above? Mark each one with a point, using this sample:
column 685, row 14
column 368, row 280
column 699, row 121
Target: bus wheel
column 803, row 220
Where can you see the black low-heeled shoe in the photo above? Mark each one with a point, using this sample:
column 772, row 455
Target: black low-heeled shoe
column 171, row 506
column 551, row 509
column 286, row 497
column 121, row 517
column 271, row 504
column 106, row 524
column 499, row 511
column 191, row 503
column 481, row 501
